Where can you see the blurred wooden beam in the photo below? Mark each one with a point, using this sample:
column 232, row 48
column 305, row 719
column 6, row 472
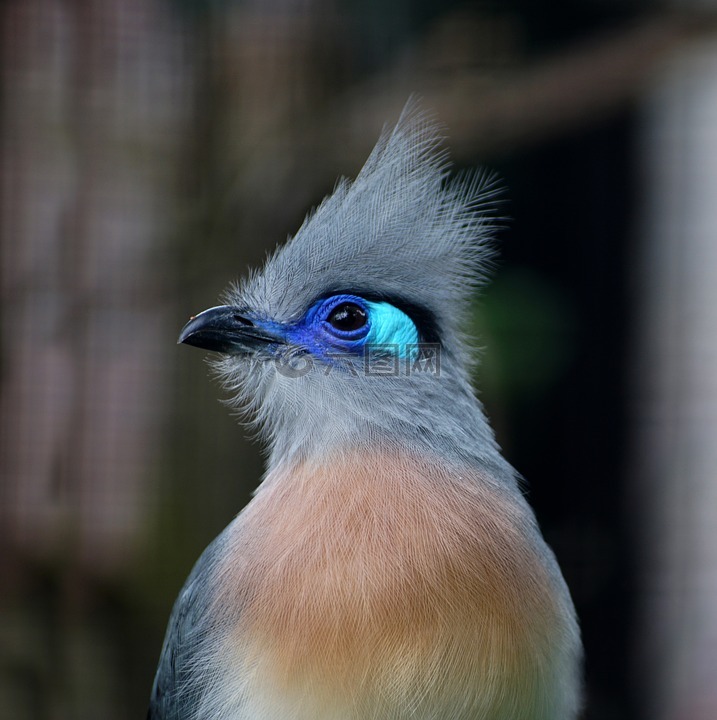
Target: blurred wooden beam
column 490, row 112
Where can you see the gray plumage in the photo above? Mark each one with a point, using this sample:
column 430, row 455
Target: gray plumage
column 406, row 234
column 401, row 229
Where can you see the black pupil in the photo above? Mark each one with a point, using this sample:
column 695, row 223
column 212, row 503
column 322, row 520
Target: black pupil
column 347, row 316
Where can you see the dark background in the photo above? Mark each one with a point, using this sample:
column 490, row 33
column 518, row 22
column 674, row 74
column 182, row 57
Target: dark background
column 153, row 150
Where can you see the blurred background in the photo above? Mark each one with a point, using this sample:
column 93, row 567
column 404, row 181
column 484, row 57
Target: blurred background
column 150, row 150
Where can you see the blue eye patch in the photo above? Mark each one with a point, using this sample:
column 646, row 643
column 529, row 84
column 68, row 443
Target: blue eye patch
column 350, row 323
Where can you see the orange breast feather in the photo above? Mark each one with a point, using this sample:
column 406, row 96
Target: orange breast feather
column 391, row 587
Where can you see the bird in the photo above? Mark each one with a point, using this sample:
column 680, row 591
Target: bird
column 388, row 566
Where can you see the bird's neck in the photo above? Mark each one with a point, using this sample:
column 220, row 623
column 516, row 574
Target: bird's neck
column 459, row 434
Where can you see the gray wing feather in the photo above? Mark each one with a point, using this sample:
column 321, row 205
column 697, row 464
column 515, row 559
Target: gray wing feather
column 177, row 688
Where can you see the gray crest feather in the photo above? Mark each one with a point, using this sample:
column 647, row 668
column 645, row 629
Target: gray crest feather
column 401, row 228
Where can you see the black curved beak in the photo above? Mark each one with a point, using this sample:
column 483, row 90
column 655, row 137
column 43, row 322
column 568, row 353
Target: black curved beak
column 226, row 329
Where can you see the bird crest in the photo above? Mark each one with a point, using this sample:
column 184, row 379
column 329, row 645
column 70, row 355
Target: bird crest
column 404, row 229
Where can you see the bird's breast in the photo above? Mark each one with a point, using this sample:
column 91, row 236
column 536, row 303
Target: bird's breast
column 385, row 587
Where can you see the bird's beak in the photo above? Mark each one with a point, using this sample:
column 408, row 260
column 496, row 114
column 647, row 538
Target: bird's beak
column 227, row 329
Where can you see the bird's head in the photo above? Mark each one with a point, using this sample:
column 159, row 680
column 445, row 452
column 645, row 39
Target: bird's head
column 355, row 329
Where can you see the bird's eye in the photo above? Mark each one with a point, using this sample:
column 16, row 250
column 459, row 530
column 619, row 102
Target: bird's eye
column 347, row 317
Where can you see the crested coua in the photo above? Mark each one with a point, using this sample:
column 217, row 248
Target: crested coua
column 388, row 566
